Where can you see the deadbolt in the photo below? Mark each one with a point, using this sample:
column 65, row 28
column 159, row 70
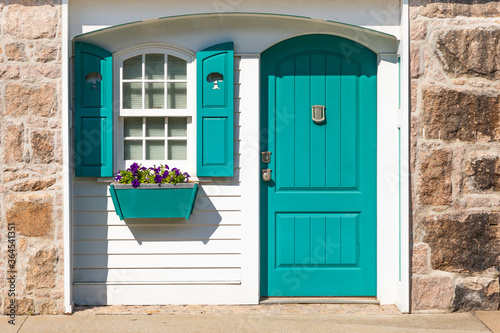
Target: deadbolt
column 266, row 175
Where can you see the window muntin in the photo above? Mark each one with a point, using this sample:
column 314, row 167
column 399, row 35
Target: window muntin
column 156, row 89
column 145, row 85
column 155, row 138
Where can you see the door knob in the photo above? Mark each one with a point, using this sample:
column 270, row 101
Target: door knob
column 266, row 174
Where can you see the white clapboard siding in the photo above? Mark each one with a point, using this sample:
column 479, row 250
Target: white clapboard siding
column 153, row 247
column 196, row 218
column 202, row 252
column 156, row 232
column 156, row 274
column 157, row 261
column 202, row 203
column 205, row 292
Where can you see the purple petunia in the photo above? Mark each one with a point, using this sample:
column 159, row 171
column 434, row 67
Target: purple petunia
column 134, row 168
column 136, row 183
column 118, row 177
column 158, row 179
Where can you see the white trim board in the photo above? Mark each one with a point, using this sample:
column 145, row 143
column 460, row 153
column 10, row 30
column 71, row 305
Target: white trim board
column 67, row 164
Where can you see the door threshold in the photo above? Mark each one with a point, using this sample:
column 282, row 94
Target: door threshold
column 319, row 300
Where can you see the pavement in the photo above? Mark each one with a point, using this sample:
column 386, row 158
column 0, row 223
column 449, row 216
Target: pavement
column 251, row 321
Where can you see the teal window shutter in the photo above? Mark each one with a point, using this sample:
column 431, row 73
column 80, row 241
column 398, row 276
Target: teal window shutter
column 215, row 67
column 93, row 111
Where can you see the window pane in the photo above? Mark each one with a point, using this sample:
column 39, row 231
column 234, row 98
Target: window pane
column 132, row 68
column 133, row 150
column 155, row 150
column 177, row 96
column 155, row 66
column 177, row 127
column 176, row 68
column 177, row 150
column 155, row 127
column 155, row 96
column 133, row 126
column 132, row 95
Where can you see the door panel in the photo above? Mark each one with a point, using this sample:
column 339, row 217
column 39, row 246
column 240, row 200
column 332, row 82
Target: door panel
column 319, row 210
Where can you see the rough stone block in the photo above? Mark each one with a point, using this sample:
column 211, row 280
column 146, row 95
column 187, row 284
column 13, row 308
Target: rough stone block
column 47, row 307
column 420, row 259
column 25, row 306
column 431, row 292
column 45, row 53
column 8, row 176
column 463, row 242
column 40, row 273
column 434, row 177
column 450, row 115
column 9, row 72
column 42, row 145
column 454, row 8
column 418, row 30
column 15, row 52
column 415, row 71
column 414, row 95
column 34, row 185
column 31, row 22
column 483, row 173
column 471, row 52
column 31, row 213
column 36, row 72
column 13, row 143
column 476, row 293
column 24, row 99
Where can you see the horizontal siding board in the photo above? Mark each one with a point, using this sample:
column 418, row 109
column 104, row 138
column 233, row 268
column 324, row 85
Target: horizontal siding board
column 223, row 292
column 152, row 247
column 197, row 218
column 157, row 275
column 203, row 203
column 90, row 189
column 101, row 189
column 220, row 190
column 156, row 232
column 158, row 261
column 218, row 203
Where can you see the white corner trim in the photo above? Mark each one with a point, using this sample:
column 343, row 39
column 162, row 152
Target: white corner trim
column 403, row 288
column 66, row 139
column 250, row 178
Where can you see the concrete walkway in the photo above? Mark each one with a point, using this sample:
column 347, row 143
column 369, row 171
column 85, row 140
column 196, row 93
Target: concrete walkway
column 244, row 322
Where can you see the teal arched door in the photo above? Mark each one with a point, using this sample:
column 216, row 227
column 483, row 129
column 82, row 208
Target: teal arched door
column 319, row 229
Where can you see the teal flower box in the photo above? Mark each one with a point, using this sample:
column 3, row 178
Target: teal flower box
column 154, row 200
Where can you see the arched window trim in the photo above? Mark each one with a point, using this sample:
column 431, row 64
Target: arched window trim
column 189, row 56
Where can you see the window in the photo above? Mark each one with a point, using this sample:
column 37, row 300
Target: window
column 155, row 112
column 140, row 105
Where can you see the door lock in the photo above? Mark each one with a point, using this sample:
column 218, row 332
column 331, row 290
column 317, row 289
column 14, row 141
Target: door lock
column 266, row 174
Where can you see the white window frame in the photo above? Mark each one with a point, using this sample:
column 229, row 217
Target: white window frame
column 188, row 165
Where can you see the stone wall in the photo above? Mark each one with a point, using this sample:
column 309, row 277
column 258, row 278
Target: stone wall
column 455, row 160
column 31, row 153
